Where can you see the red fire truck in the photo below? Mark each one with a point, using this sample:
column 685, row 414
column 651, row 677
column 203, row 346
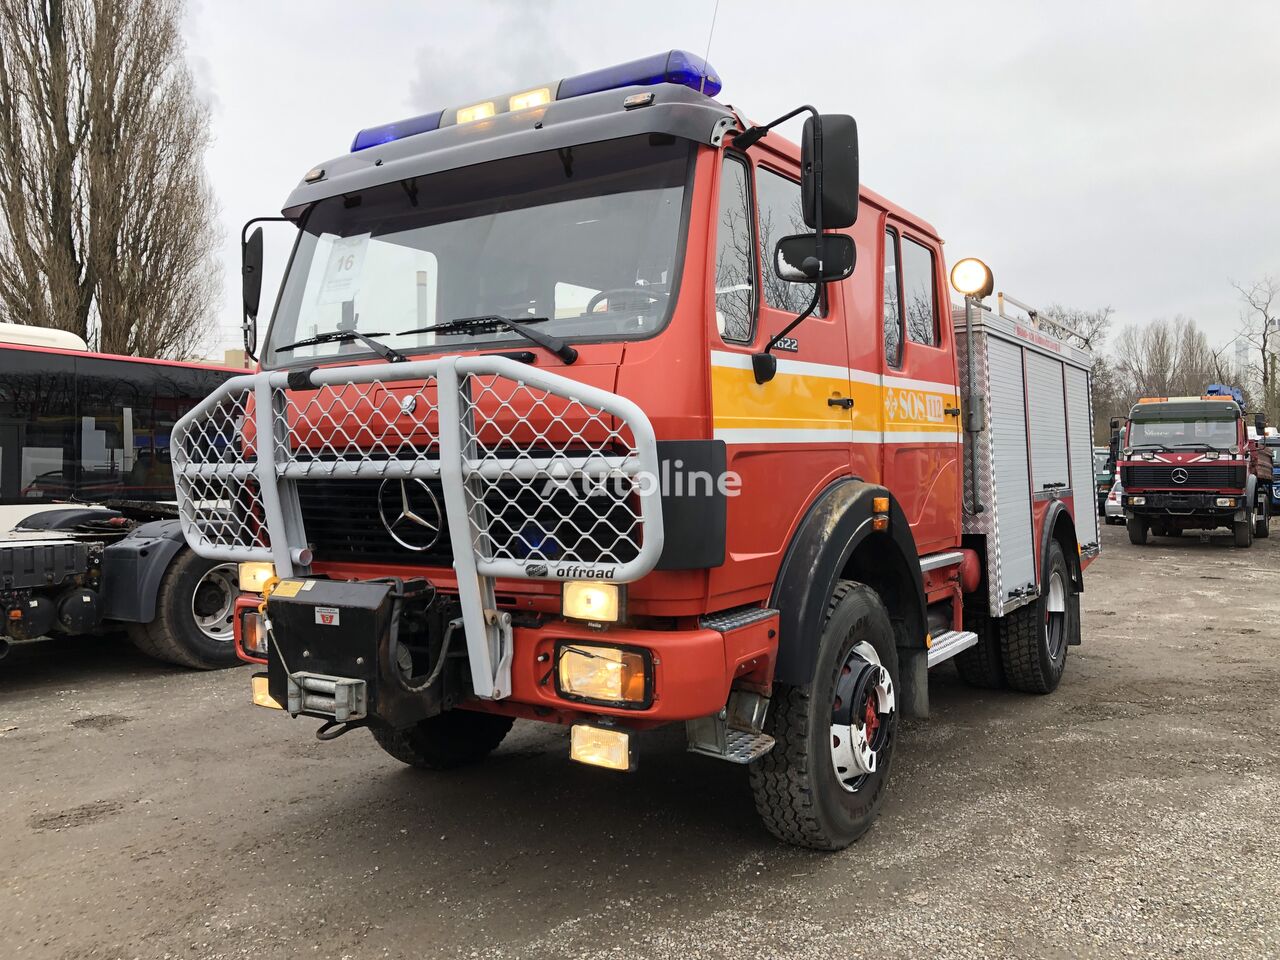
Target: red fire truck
column 1195, row 463
column 576, row 408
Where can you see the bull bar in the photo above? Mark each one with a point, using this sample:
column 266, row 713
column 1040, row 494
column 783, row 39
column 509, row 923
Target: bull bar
column 492, row 431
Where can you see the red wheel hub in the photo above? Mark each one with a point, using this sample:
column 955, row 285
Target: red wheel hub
column 871, row 717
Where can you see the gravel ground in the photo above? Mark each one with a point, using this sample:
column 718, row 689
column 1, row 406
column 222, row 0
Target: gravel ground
column 151, row 812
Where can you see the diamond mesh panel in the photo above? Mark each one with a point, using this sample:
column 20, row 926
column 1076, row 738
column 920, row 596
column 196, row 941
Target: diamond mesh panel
column 392, row 424
column 549, row 477
column 214, row 457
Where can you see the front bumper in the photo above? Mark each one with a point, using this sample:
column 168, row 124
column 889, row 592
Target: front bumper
column 693, row 667
column 1185, row 505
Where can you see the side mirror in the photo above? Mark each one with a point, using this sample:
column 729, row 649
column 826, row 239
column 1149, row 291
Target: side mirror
column 1260, row 424
column 251, row 286
column 795, row 258
column 838, row 158
column 1115, row 424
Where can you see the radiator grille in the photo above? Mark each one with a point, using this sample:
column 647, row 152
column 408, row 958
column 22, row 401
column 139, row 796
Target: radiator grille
column 343, row 524
column 1200, row 476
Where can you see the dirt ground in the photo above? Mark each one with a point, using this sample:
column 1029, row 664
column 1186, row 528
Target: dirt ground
column 152, row 812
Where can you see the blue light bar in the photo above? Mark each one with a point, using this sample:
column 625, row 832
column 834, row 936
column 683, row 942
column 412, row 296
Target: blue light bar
column 372, row 136
column 676, row 66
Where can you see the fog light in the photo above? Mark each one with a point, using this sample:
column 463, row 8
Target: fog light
column 1226, row 501
column 601, row 674
column 587, row 600
column 253, row 635
column 1137, row 501
column 600, row 747
column 261, row 695
column 254, row 576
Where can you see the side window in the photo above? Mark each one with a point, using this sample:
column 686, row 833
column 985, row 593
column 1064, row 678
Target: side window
column 735, row 263
column 919, row 290
column 780, row 215
column 892, row 302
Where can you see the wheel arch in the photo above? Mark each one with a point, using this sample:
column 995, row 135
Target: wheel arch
column 133, row 568
column 1059, row 526
column 836, row 541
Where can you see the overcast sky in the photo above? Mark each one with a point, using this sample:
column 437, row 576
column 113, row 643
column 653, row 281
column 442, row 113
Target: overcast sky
column 1094, row 153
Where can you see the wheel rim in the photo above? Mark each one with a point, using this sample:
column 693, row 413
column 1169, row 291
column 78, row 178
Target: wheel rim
column 1055, row 615
column 863, row 711
column 213, row 602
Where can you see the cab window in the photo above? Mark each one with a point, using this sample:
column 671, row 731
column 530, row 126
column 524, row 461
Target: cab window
column 735, row 263
column 781, row 215
column 919, row 292
column 892, row 302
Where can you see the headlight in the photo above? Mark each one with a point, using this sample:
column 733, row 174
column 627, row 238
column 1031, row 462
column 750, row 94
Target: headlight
column 254, row 576
column 1226, row 501
column 1137, row 501
column 601, row 674
column 588, row 600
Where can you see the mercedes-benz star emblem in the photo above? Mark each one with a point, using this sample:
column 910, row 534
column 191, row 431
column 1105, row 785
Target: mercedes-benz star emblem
column 1179, row 475
column 410, row 512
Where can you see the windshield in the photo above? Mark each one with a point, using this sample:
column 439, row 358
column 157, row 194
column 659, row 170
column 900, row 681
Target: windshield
column 587, row 237
column 1219, row 434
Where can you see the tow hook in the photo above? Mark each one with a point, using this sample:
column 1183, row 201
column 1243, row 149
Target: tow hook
column 333, row 729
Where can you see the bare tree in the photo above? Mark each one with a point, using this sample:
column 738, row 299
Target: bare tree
column 106, row 219
column 1092, row 325
column 1260, row 328
column 1165, row 358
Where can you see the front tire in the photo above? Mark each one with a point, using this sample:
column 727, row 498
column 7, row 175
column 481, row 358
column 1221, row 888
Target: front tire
column 822, row 784
column 1137, row 531
column 1242, row 530
column 455, row 738
column 194, row 610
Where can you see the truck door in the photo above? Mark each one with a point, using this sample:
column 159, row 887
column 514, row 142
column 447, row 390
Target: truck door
column 787, row 438
column 921, row 422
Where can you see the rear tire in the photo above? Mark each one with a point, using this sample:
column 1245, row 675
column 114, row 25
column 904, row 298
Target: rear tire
column 800, row 794
column 981, row 665
column 455, row 738
column 1137, row 531
column 194, row 591
column 1034, row 639
column 1242, row 530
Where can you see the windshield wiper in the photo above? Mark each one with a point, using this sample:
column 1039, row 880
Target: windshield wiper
column 340, row 336
column 1198, row 446
column 489, row 323
column 1150, row 446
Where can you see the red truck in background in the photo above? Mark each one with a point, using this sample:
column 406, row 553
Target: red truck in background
column 1195, row 463
column 598, row 404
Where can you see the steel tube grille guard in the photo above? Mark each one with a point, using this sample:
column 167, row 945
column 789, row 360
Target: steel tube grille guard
column 539, row 476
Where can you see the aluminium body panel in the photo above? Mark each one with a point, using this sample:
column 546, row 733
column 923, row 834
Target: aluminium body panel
column 1080, row 436
column 1034, row 440
column 1047, row 424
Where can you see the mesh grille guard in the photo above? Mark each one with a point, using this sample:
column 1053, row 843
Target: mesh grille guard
column 490, row 433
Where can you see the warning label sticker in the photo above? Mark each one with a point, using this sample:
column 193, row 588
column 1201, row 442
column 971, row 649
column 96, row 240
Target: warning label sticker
column 327, row 616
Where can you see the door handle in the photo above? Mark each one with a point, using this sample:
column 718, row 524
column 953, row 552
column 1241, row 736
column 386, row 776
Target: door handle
column 952, row 411
column 846, row 402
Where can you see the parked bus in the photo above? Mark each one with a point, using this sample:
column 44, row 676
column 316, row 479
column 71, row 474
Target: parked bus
column 87, row 512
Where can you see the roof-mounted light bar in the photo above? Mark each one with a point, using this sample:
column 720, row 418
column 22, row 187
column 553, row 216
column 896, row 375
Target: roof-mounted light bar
column 674, row 66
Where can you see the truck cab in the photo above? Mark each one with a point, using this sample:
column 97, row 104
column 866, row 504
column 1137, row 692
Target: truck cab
column 1194, row 463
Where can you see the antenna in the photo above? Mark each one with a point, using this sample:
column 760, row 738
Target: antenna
column 707, row 53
